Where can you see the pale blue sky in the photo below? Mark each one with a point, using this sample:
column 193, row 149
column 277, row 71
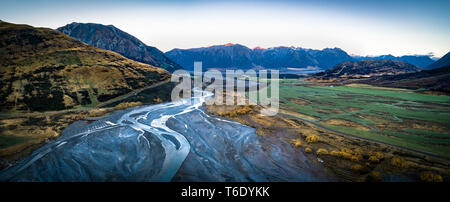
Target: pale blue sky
column 359, row 27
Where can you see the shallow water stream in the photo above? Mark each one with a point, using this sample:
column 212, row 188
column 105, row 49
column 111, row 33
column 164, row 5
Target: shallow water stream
column 174, row 141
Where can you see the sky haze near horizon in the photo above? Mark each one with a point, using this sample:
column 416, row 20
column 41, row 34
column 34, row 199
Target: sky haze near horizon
column 358, row 27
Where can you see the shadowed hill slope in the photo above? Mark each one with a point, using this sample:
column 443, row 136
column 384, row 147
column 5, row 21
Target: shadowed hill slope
column 442, row 62
column 435, row 80
column 368, row 68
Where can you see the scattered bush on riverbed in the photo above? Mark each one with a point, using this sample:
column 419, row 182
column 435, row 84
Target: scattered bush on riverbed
column 125, row 105
column 322, row 151
column 357, row 168
column 308, row 150
column 356, row 158
column 157, row 100
column 379, row 155
column 312, row 139
column 374, row 159
column 242, row 110
column 335, row 153
column 428, row 176
column 97, row 112
column 346, row 150
column 399, row 162
column 358, row 151
column 347, row 154
column 374, row 176
column 297, row 142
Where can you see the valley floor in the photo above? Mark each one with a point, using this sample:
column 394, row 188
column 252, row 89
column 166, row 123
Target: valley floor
column 355, row 132
column 360, row 132
column 399, row 117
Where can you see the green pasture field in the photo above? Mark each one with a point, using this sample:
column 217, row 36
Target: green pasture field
column 396, row 116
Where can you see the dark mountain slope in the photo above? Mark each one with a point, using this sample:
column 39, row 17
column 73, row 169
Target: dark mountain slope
column 114, row 39
column 442, row 62
column 329, row 57
column 226, row 56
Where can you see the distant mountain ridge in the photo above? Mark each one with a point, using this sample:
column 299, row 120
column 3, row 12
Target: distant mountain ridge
column 239, row 56
column 422, row 61
column 368, row 68
column 111, row 38
column 226, row 56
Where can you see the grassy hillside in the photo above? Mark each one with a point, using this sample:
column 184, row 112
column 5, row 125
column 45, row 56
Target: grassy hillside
column 43, row 69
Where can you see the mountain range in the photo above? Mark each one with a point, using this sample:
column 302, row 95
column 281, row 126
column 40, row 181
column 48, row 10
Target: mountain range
column 43, row 69
column 219, row 56
column 239, row 56
column 111, row 38
column 368, row 68
column 423, row 61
